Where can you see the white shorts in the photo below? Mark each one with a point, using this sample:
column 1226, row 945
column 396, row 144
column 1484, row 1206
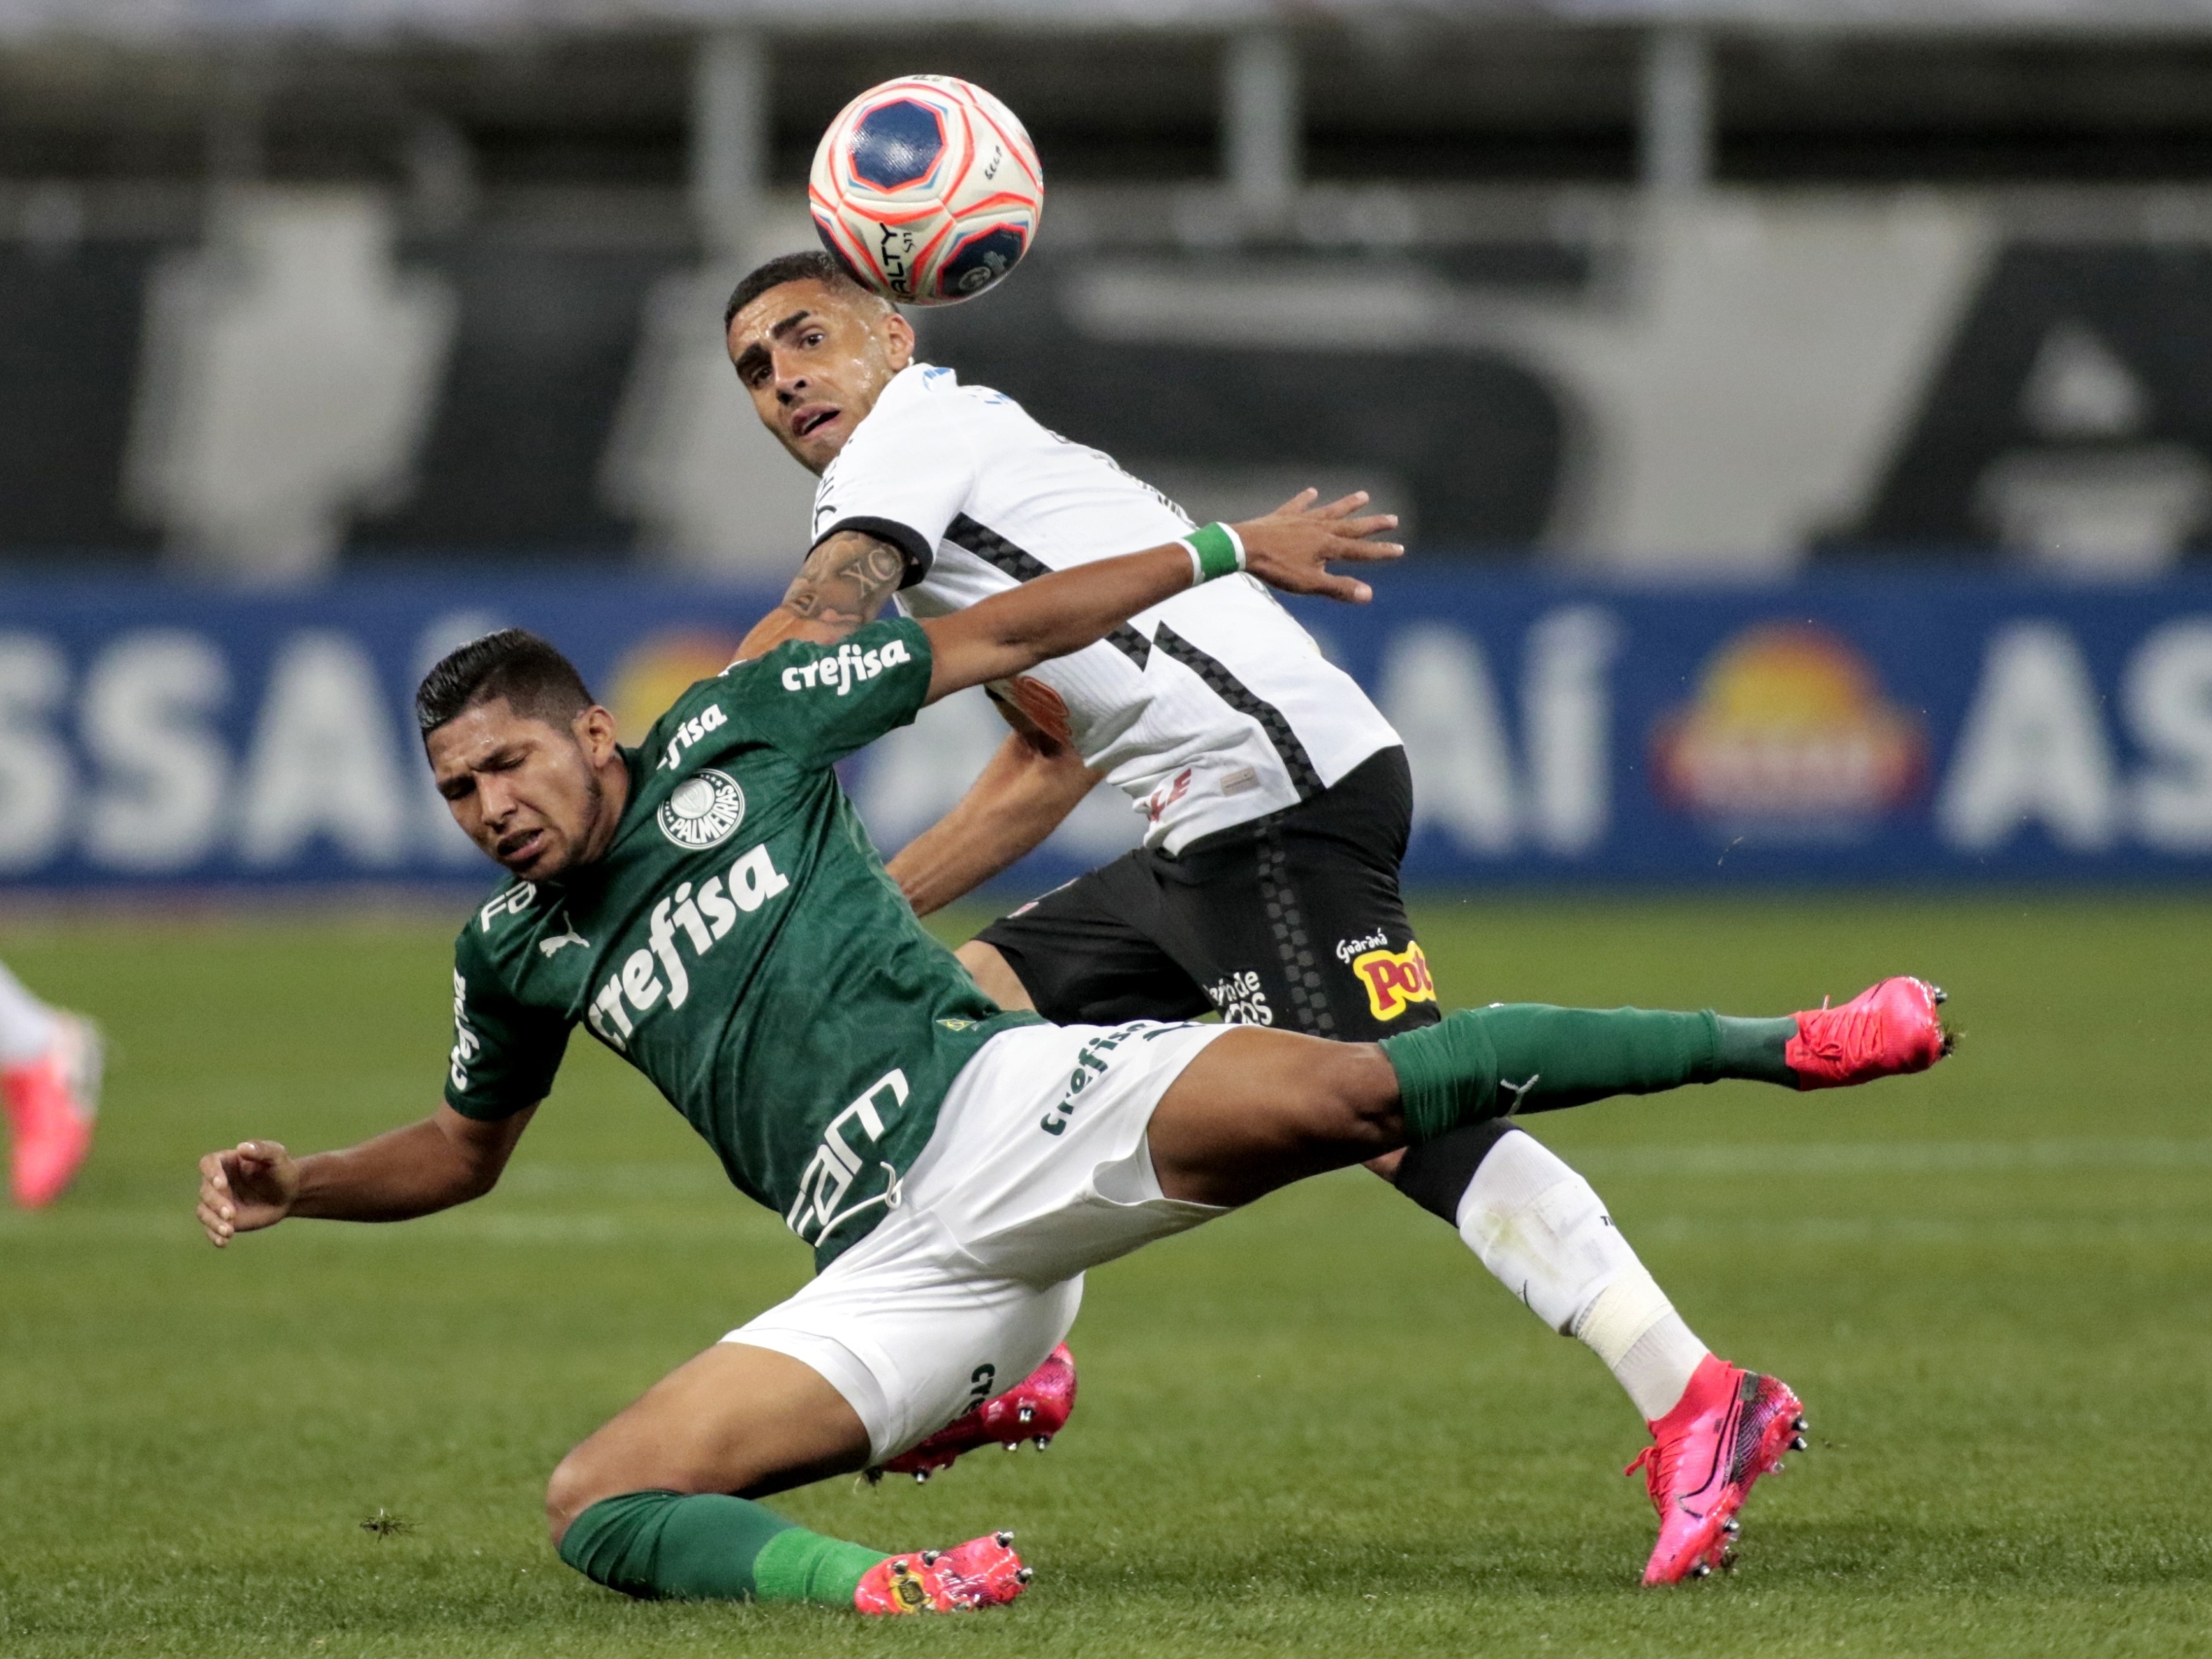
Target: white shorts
column 1039, row 1168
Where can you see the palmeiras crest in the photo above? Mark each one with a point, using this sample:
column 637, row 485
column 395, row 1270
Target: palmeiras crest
column 703, row 811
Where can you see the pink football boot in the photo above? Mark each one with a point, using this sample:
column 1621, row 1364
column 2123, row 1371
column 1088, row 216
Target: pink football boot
column 1730, row 1427
column 51, row 1102
column 1036, row 1409
column 984, row 1572
column 1885, row 1030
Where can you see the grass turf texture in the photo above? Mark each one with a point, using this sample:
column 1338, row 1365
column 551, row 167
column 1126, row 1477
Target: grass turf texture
column 1314, row 1427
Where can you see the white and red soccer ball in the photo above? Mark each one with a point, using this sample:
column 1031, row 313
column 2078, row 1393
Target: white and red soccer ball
column 927, row 189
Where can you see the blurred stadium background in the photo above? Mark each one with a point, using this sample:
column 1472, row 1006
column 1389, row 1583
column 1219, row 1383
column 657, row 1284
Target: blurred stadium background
column 1800, row 412
column 1798, row 409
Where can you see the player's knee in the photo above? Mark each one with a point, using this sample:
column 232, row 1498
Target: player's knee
column 575, row 1485
column 1355, row 1096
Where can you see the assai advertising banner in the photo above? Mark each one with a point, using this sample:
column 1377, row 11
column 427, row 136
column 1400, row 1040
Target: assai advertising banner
column 1965, row 727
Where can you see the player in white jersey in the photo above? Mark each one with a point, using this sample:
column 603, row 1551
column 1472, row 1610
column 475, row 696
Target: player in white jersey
column 1257, row 763
column 1277, row 798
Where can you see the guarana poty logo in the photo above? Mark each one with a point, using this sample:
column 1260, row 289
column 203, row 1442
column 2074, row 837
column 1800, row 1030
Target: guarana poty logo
column 1395, row 980
column 1790, row 730
column 703, row 811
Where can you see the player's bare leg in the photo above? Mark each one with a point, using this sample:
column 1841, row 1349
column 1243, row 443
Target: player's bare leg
column 733, row 1419
column 993, row 975
column 1260, row 1109
column 656, row 1503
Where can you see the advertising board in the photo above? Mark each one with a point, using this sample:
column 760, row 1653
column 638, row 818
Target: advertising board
column 1947, row 727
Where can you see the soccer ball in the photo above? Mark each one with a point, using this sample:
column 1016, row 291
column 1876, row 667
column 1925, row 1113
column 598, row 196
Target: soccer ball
column 927, row 189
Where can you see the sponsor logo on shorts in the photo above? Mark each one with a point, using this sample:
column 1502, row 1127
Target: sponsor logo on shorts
column 703, row 811
column 1090, row 1062
column 1396, row 980
column 1241, row 999
column 1348, row 948
column 847, row 668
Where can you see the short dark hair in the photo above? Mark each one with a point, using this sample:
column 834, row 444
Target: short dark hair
column 538, row 682
column 812, row 267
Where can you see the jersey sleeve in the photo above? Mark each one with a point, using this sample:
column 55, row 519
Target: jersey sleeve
column 819, row 703
column 504, row 1053
column 902, row 478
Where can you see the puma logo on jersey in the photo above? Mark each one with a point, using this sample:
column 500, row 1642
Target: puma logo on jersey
column 847, row 668
column 657, row 973
column 1396, row 980
column 560, row 942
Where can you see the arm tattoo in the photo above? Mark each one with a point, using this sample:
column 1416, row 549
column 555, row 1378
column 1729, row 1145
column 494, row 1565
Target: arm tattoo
column 846, row 580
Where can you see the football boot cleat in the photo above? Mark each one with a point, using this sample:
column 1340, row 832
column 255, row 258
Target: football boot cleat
column 1885, row 1031
column 1035, row 1409
column 51, row 1103
column 984, row 1572
column 1730, row 1427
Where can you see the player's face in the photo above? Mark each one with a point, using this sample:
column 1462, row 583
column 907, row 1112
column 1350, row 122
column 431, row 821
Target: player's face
column 815, row 359
column 532, row 795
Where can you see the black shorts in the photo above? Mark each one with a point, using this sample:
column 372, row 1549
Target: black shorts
column 1293, row 920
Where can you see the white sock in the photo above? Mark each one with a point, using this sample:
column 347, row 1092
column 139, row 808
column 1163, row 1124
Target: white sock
column 1634, row 1329
column 27, row 1025
column 1543, row 1231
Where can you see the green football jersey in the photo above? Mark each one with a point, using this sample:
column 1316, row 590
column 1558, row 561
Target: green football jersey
column 741, row 945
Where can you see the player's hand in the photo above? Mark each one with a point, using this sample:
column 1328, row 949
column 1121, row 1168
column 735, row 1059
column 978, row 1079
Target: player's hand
column 1290, row 548
column 249, row 1187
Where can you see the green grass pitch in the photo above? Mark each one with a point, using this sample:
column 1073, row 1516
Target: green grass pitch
column 1316, row 1427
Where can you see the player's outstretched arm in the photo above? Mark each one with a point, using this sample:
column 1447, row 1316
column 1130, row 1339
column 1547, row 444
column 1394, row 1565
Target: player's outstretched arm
column 444, row 1159
column 844, row 584
column 1011, row 632
column 1033, row 782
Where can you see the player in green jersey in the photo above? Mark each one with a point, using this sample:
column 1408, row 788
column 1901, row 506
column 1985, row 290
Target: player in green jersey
column 708, row 906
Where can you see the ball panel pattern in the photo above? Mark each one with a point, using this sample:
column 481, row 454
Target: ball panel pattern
column 927, row 189
column 896, row 144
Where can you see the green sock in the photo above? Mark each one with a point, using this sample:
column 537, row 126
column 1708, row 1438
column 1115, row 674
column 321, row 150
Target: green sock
column 706, row 1547
column 1529, row 1056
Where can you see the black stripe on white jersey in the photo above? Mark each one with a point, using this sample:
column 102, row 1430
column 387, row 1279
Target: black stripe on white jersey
column 995, row 550
column 1242, row 698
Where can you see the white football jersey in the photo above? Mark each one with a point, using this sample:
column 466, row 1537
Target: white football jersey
column 1209, row 711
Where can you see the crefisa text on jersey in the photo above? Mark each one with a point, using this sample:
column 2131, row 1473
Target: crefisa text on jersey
column 710, row 718
column 849, row 666
column 701, row 918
